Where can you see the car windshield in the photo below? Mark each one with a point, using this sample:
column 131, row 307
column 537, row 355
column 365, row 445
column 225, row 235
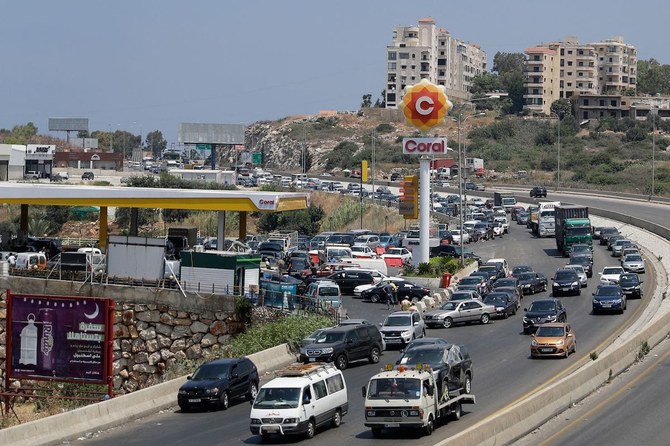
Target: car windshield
column 581, row 248
column 550, row 332
column 578, row 268
column 385, row 239
column 565, row 275
column 607, row 291
column 521, row 269
column 542, row 306
column 287, row 397
column 580, row 231
column 505, row 282
column 473, row 280
column 629, row 279
column 457, row 296
column 328, row 292
column 398, row 321
column 527, row 276
column 497, row 300
column 329, row 338
column 633, row 258
column 383, row 388
column 613, row 270
column 211, row 371
column 431, row 356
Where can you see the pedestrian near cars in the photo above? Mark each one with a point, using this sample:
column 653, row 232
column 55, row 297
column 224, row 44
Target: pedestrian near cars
column 394, row 292
column 405, row 304
column 389, row 296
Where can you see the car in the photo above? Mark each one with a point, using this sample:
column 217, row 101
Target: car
column 542, row 311
column 389, row 241
column 426, row 341
column 377, row 277
column 363, row 251
column 88, row 175
column 216, row 383
column 403, row 253
column 609, row 297
column 465, row 295
column 612, row 239
column 517, row 270
column 619, row 245
column 451, row 363
column 343, row 345
column 554, row 339
column 322, row 294
column 347, row 280
column 453, row 251
column 630, row 250
column 611, row 274
column 522, row 218
column 512, row 282
column 496, row 269
column 631, row 285
column 406, row 290
column 606, row 233
column 505, row 304
column 457, row 234
column 538, row 192
column 309, row 339
column 458, row 311
column 484, row 231
column 513, row 292
column 581, row 249
column 633, row 263
column 581, row 273
column 31, row 175
column 565, row 281
column 532, row 282
column 585, row 261
column 401, row 327
column 479, row 283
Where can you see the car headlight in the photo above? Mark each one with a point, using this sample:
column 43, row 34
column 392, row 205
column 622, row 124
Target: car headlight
column 327, row 350
column 256, row 421
column 575, row 283
column 595, row 301
column 616, row 301
column 183, row 392
column 555, row 285
column 551, row 318
column 407, row 333
column 533, row 343
column 212, row 391
column 290, row 420
column 559, row 343
column 500, row 308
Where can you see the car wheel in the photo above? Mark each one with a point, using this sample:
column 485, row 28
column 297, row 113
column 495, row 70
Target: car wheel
column 341, row 362
column 374, row 298
column 376, row 431
column 447, row 322
column 337, row 419
column 458, row 411
column 467, row 385
column 374, row 355
column 484, row 319
column 579, row 291
column 595, row 311
column 544, row 287
column 423, row 333
column 505, row 314
column 526, row 331
column 253, row 391
column 311, row 429
column 428, row 428
column 224, row 402
column 184, row 408
column 574, row 347
column 567, row 352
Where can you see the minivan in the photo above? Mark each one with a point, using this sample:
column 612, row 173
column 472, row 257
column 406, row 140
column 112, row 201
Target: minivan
column 323, row 293
column 301, row 398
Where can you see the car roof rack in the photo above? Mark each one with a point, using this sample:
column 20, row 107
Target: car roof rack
column 298, row 369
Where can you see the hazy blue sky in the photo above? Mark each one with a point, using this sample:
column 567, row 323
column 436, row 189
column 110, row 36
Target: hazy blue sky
column 144, row 65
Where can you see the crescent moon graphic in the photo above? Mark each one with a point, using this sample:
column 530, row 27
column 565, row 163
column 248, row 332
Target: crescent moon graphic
column 95, row 313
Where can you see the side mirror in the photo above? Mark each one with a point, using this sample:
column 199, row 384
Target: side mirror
column 189, row 377
column 381, row 325
column 525, row 309
column 364, row 391
column 234, row 375
column 306, row 400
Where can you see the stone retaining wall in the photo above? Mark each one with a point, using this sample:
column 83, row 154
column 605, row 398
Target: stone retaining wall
column 149, row 338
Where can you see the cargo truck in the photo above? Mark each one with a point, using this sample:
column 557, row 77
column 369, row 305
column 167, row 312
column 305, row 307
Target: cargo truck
column 508, row 201
column 402, row 397
column 542, row 223
column 572, row 226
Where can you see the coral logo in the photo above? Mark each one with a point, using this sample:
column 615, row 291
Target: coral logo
column 425, row 105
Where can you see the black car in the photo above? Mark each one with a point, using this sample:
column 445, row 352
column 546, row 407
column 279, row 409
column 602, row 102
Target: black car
column 521, row 269
column 542, row 311
column 216, row 383
column 505, row 304
column 631, row 285
column 608, row 297
column 511, row 282
column 606, row 233
column 87, row 176
column 453, row 251
column 405, row 290
column 452, row 363
column 538, row 192
column 566, row 281
column 494, row 269
column 532, row 282
column 484, row 231
column 584, row 260
column 341, row 239
column 347, row 280
column 395, row 176
column 344, row 344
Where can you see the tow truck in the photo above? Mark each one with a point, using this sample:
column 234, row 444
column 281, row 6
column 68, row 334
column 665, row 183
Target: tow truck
column 404, row 397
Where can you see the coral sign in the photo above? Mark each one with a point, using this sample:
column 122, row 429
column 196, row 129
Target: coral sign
column 425, row 105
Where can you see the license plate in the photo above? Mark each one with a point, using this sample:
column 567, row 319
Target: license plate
column 312, row 359
column 566, row 289
column 606, row 305
column 392, row 425
column 393, row 341
column 546, row 350
column 270, row 430
column 194, row 400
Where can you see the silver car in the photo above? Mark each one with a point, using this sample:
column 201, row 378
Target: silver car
column 581, row 273
column 633, row 263
column 452, row 312
column 619, row 245
column 401, row 327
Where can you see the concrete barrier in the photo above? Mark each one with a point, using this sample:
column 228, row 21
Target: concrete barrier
column 428, row 302
column 117, row 411
column 437, row 298
column 420, row 306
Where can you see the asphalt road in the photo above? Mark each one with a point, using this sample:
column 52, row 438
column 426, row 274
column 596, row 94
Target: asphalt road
column 503, row 371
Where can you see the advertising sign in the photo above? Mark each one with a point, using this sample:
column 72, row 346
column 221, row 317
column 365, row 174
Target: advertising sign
column 425, row 105
column 59, row 337
column 424, row 146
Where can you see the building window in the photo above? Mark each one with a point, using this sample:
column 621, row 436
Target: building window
column 562, row 51
column 613, row 103
column 392, row 66
column 392, row 55
column 586, row 102
column 403, row 56
column 569, row 63
column 602, row 102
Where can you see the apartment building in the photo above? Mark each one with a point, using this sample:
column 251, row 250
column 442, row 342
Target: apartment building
column 585, row 70
column 425, row 51
column 542, row 79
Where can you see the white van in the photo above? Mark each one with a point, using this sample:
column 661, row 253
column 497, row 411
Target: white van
column 301, row 398
column 372, row 264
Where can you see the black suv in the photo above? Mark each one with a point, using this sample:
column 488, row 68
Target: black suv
column 451, row 362
column 344, row 344
column 453, row 251
column 347, row 280
column 566, row 281
column 87, row 176
column 543, row 311
column 538, row 192
column 631, row 285
column 216, row 383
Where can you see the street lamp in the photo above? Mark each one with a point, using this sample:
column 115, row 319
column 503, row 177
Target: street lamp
column 461, row 157
column 653, row 111
column 558, row 165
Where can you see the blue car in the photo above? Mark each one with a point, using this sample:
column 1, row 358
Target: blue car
column 388, row 241
column 609, row 298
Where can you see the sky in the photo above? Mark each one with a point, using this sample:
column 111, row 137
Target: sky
column 145, row 65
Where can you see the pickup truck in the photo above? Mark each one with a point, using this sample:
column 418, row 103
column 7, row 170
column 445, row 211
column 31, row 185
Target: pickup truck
column 403, row 397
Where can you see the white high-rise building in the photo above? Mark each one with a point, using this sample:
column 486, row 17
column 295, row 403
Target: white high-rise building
column 428, row 52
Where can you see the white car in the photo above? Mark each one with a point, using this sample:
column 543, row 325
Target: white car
column 358, row 291
column 363, row 251
column 498, row 229
column 502, row 220
column 579, row 269
column 611, row 274
column 457, row 234
column 403, row 253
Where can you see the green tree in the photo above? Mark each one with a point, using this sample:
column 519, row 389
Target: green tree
column 485, row 83
column 652, row 77
column 367, row 101
column 21, row 134
column 307, row 221
column 562, row 108
column 156, row 143
column 510, row 68
column 381, row 102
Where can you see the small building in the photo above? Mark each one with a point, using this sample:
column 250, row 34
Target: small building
column 209, row 176
column 89, row 160
column 12, row 161
column 220, row 272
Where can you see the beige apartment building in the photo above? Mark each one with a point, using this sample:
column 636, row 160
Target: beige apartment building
column 585, row 70
column 425, row 51
column 542, row 79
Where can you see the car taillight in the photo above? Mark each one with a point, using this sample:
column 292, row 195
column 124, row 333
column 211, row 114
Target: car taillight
column 426, row 290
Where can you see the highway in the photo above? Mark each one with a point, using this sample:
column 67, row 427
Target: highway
column 503, row 371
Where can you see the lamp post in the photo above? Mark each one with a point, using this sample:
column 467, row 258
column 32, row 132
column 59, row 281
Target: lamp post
column 558, row 145
column 653, row 111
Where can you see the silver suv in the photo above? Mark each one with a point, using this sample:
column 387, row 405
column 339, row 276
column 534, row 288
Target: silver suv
column 401, row 327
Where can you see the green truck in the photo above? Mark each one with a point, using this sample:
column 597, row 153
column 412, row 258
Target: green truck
column 572, row 226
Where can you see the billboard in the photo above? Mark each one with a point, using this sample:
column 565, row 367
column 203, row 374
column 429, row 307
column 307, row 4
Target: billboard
column 59, row 337
column 68, row 124
column 196, row 133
